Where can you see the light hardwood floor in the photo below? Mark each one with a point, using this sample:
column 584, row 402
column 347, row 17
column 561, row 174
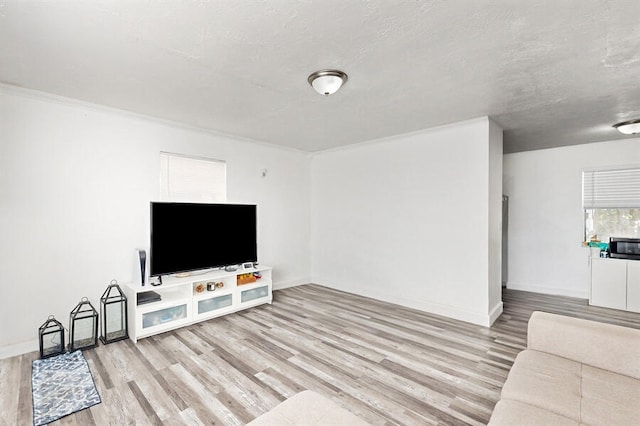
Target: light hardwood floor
column 387, row 364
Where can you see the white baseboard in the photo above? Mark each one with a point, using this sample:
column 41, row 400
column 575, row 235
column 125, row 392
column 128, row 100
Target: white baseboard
column 33, row 345
column 286, row 284
column 19, row 349
column 495, row 313
column 422, row 305
column 434, row 308
column 557, row 291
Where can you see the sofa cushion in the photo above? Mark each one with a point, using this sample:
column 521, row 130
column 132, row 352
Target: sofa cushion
column 539, row 381
column 545, row 381
column 578, row 370
column 510, row 412
column 308, row 408
column 605, row 346
column 609, row 398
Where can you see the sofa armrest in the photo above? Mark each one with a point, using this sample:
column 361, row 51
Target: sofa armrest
column 308, row 409
column 610, row 347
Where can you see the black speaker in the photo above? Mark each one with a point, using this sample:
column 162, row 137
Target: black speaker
column 140, row 272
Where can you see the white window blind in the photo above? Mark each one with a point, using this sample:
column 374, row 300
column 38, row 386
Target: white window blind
column 192, row 179
column 610, row 189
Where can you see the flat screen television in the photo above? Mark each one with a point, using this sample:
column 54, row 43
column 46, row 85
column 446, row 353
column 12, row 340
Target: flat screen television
column 191, row 236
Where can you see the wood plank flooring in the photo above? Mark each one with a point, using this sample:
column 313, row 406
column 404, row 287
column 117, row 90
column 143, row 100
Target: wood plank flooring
column 387, row 364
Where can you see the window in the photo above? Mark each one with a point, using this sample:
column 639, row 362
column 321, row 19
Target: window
column 192, row 179
column 606, row 223
column 611, row 203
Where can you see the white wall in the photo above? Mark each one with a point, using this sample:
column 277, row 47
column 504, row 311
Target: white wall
column 545, row 214
column 75, row 186
column 495, row 221
column 406, row 220
column 392, row 219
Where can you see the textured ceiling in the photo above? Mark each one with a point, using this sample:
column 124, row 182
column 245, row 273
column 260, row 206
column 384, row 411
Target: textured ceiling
column 551, row 73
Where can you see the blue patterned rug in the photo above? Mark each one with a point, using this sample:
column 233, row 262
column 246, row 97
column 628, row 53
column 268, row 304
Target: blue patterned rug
column 61, row 385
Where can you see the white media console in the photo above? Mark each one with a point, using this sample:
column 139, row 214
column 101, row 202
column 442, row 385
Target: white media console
column 186, row 300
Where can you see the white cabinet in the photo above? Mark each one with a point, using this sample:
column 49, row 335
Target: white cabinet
column 609, row 283
column 156, row 319
column 213, row 305
column 633, row 285
column 615, row 283
column 190, row 299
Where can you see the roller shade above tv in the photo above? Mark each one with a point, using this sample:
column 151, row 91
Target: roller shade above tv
column 193, row 236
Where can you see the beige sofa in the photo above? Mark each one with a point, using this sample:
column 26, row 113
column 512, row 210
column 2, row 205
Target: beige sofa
column 310, row 409
column 573, row 372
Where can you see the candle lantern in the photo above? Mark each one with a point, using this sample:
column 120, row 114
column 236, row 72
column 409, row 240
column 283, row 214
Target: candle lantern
column 83, row 326
column 113, row 314
column 51, row 336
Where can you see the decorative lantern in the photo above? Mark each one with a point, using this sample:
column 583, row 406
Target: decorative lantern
column 113, row 314
column 51, row 336
column 83, row 326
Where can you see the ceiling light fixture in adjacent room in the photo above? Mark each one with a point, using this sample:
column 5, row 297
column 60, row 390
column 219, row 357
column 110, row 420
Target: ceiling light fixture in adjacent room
column 630, row 127
column 327, row 82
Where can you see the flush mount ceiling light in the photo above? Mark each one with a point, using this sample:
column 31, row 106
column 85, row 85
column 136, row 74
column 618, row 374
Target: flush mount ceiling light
column 630, row 127
column 327, row 82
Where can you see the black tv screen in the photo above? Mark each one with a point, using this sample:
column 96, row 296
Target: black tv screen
column 191, row 236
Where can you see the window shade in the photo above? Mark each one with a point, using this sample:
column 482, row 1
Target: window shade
column 191, row 179
column 610, row 189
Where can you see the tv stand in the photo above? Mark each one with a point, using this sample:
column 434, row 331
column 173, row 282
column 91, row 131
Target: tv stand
column 186, row 300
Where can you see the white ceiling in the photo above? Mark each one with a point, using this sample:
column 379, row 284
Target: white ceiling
column 550, row 72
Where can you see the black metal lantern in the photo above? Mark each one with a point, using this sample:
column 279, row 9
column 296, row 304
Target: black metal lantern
column 51, row 336
column 113, row 314
column 83, row 326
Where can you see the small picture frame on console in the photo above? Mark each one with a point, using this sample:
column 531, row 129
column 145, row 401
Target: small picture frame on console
column 247, row 265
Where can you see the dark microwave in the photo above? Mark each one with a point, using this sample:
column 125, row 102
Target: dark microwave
column 624, row 248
